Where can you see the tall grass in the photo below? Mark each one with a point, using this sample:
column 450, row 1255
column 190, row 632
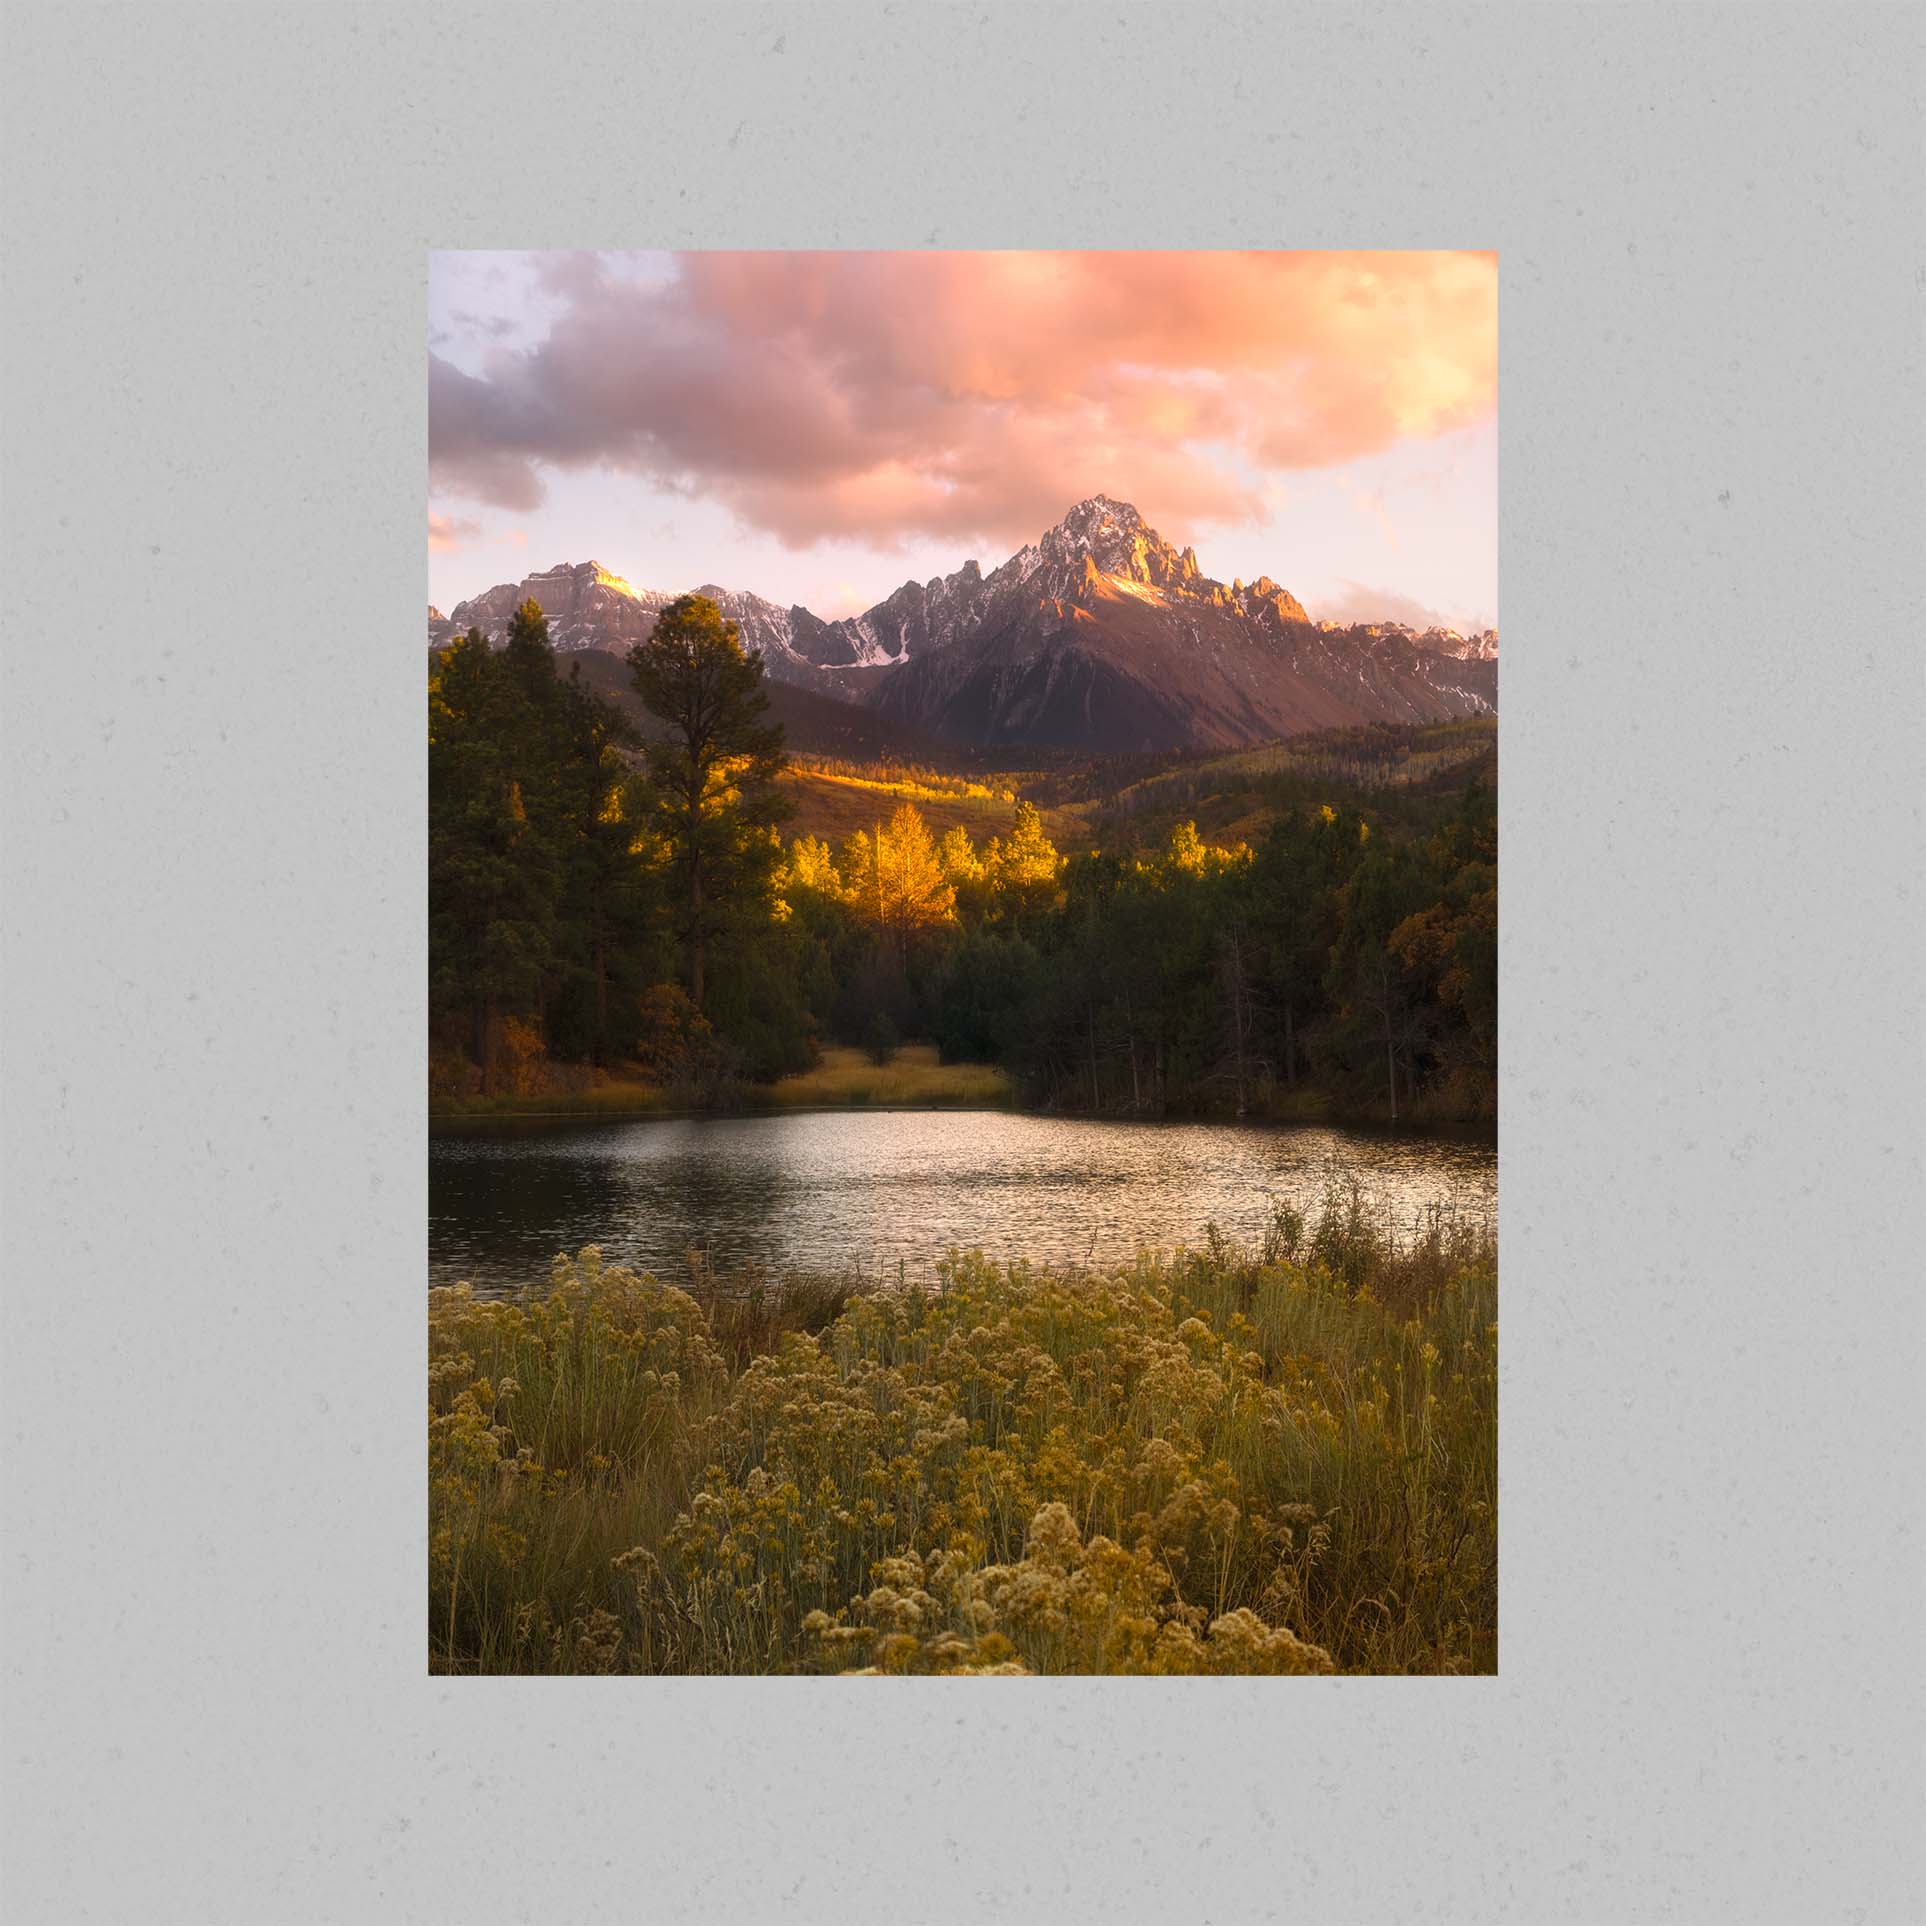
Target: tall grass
column 616, row 1096
column 1273, row 1459
column 914, row 1075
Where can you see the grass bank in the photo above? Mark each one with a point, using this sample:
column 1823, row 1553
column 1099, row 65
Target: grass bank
column 914, row 1076
column 618, row 1097
column 1281, row 1459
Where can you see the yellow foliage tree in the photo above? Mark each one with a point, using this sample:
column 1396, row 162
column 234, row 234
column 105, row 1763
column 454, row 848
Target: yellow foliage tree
column 1188, row 850
column 897, row 879
column 811, row 866
column 1190, row 855
column 1023, row 870
column 957, row 854
column 964, row 870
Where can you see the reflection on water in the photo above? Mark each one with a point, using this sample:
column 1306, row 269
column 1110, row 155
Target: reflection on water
column 828, row 1190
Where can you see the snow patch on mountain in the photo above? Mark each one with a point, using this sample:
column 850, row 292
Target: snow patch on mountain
column 1213, row 660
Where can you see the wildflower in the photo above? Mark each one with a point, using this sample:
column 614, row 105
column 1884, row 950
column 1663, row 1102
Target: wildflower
column 1168, row 1469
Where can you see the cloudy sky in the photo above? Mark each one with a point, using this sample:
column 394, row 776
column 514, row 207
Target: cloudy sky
column 820, row 428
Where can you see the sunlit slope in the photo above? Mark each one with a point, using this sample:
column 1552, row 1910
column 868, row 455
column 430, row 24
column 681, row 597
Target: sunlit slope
column 1395, row 772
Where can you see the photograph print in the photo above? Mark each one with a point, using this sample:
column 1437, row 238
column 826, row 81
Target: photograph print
column 963, row 960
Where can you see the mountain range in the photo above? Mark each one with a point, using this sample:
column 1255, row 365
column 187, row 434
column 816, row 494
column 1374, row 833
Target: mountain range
column 1099, row 636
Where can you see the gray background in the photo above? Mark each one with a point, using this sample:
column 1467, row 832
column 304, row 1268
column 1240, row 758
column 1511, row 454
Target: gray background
column 217, row 222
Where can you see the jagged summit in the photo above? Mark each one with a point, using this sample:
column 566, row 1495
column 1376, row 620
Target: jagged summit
column 1107, row 537
column 1103, row 545
column 1097, row 515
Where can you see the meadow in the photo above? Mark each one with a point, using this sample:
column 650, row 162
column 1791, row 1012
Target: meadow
column 837, row 802
column 915, row 1075
column 1277, row 1459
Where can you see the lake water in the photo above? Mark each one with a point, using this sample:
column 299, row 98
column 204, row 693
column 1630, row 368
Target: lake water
column 871, row 1189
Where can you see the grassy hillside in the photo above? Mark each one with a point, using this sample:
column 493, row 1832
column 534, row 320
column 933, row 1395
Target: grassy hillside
column 834, row 805
column 1396, row 772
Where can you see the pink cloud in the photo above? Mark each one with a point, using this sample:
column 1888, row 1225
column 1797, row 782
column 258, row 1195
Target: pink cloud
column 893, row 396
column 449, row 534
column 1357, row 602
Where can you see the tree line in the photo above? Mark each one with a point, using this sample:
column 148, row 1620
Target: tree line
column 607, row 894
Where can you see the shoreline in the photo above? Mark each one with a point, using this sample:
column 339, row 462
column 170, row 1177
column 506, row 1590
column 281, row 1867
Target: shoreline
column 915, row 1079
column 534, row 1110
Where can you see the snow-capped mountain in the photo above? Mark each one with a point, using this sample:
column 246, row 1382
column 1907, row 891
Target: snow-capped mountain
column 591, row 607
column 1100, row 635
column 1480, row 646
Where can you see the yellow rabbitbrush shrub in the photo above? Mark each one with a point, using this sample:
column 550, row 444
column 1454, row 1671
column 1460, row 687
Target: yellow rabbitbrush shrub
column 549, row 1419
column 1066, row 1606
column 1217, row 1462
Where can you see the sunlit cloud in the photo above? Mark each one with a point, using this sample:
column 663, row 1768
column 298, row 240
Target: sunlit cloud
column 889, row 399
column 1352, row 602
column 458, row 534
column 450, row 534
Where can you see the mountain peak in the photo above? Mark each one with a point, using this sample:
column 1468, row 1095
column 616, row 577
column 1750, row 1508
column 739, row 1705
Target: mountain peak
column 1101, row 506
column 1097, row 516
column 1115, row 540
column 582, row 575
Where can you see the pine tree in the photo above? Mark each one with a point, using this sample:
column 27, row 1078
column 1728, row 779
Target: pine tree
column 493, row 871
column 711, row 792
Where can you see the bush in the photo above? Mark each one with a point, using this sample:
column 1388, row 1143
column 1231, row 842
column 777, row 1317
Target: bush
column 881, row 1038
column 679, row 1049
column 1226, row 1461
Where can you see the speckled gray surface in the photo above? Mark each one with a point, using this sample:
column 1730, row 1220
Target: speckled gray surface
column 216, row 228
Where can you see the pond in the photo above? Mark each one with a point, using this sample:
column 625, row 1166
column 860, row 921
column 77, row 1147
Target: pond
column 880, row 1191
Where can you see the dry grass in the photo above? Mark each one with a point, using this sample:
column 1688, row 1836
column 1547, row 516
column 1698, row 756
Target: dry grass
column 837, row 807
column 914, row 1077
column 620, row 1096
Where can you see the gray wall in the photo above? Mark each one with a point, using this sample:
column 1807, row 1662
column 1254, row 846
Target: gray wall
column 216, row 228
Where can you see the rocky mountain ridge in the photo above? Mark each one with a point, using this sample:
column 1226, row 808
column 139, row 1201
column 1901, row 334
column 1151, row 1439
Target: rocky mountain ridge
column 1100, row 635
